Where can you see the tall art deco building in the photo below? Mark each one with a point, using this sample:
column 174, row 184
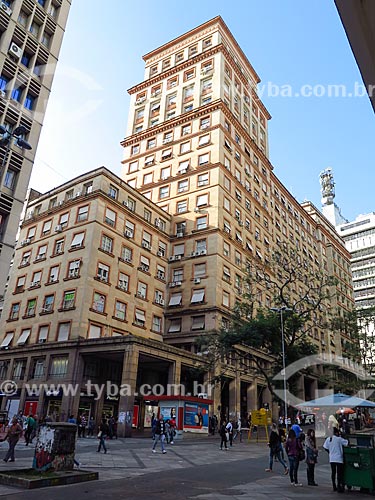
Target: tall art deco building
column 114, row 279
column 31, row 34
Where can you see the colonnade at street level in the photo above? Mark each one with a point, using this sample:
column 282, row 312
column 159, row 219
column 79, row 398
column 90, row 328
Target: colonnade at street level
column 132, row 363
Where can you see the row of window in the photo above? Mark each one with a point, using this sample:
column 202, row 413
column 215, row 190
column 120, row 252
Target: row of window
column 180, row 56
column 18, row 94
column 185, row 130
column 58, row 367
column 183, row 186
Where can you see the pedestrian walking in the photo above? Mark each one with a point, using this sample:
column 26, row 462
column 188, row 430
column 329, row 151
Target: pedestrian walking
column 154, row 421
column 293, row 448
column 334, row 445
column 238, row 430
column 229, row 429
column 223, row 434
column 83, row 425
column 103, row 432
column 276, row 449
column 13, row 434
column 172, row 423
column 160, row 430
column 91, row 427
column 311, row 456
column 30, row 429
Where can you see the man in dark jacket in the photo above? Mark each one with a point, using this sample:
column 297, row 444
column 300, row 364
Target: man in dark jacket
column 159, row 435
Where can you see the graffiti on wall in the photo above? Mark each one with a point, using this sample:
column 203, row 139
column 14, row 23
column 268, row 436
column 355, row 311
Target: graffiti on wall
column 43, row 450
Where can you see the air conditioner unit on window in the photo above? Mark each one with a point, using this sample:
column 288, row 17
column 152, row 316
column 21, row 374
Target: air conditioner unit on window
column 177, row 257
column 78, row 194
column 203, row 252
column 34, row 284
column 5, row 8
column 58, row 228
column 172, row 258
column 180, row 234
column 160, row 301
column 128, row 234
column 197, row 281
column 25, row 242
column 2, row 94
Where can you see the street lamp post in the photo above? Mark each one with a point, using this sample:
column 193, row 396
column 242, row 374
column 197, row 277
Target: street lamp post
column 280, row 311
column 5, row 140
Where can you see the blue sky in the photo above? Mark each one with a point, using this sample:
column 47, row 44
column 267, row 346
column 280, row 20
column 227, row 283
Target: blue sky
column 290, row 43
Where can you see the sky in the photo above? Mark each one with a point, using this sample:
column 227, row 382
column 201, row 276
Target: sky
column 296, row 47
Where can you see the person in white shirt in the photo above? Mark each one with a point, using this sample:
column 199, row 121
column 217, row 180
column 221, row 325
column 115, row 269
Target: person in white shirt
column 229, row 429
column 238, row 430
column 334, row 445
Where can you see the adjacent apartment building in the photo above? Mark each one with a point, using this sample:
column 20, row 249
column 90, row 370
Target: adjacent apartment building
column 31, row 34
column 114, row 279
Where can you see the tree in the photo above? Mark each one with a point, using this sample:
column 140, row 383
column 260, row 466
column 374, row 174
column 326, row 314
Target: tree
column 286, row 280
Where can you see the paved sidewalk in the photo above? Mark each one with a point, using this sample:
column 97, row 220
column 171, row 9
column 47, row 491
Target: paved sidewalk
column 211, row 474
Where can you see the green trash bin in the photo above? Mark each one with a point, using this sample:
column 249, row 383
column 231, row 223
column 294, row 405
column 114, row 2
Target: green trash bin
column 359, row 462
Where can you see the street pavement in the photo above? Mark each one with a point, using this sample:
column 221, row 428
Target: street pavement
column 193, row 468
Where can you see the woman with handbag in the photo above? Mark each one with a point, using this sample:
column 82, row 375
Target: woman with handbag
column 311, row 457
column 293, row 449
column 103, row 432
column 276, row 449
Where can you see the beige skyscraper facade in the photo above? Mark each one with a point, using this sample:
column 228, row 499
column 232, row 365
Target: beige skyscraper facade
column 143, row 265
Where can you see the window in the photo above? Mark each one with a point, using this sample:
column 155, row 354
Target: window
column 106, row 244
column 68, row 299
column 14, row 311
column 82, row 213
column 20, row 285
column 46, row 227
column 182, row 186
column 198, row 296
column 53, row 274
column 126, row 254
column 110, row 217
column 98, row 303
column 183, row 166
column 226, row 274
column 43, row 333
column 36, row 279
column 30, row 308
column 41, row 254
column 19, row 369
column 197, row 323
column 175, row 299
column 10, row 179
column 226, row 301
column 103, row 272
column 59, row 365
column 163, row 192
column 180, row 228
column 204, row 139
column 147, row 215
column 149, row 160
column 77, row 241
column 166, row 154
column 203, row 159
column 29, row 101
column 16, row 94
column 165, row 173
column 162, row 249
column 113, row 192
column 38, row 369
column 201, row 246
column 203, row 180
column 185, row 147
column 48, row 304
column 7, row 340
column 186, row 129
column 144, row 264
column 129, row 229
column 142, row 290
column 120, row 310
column 160, row 273
column 140, row 318
column 123, row 282
column 178, row 275
column 63, row 220
column 133, row 167
column 199, row 270
column 74, row 267
column 227, row 204
column 156, row 324
column 205, row 122
column 147, row 178
column 23, row 18
column 181, row 206
column 25, row 258
column 202, row 200
column 175, row 325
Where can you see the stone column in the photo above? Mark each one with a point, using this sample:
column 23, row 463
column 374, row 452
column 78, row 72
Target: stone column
column 8, row 377
column 70, row 404
column 252, row 397
column 174, row 378
column 235, row 397
column 23, row 395
column 128, row 380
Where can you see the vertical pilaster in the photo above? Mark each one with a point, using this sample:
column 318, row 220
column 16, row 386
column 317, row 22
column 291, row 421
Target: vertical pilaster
column 129, row 380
